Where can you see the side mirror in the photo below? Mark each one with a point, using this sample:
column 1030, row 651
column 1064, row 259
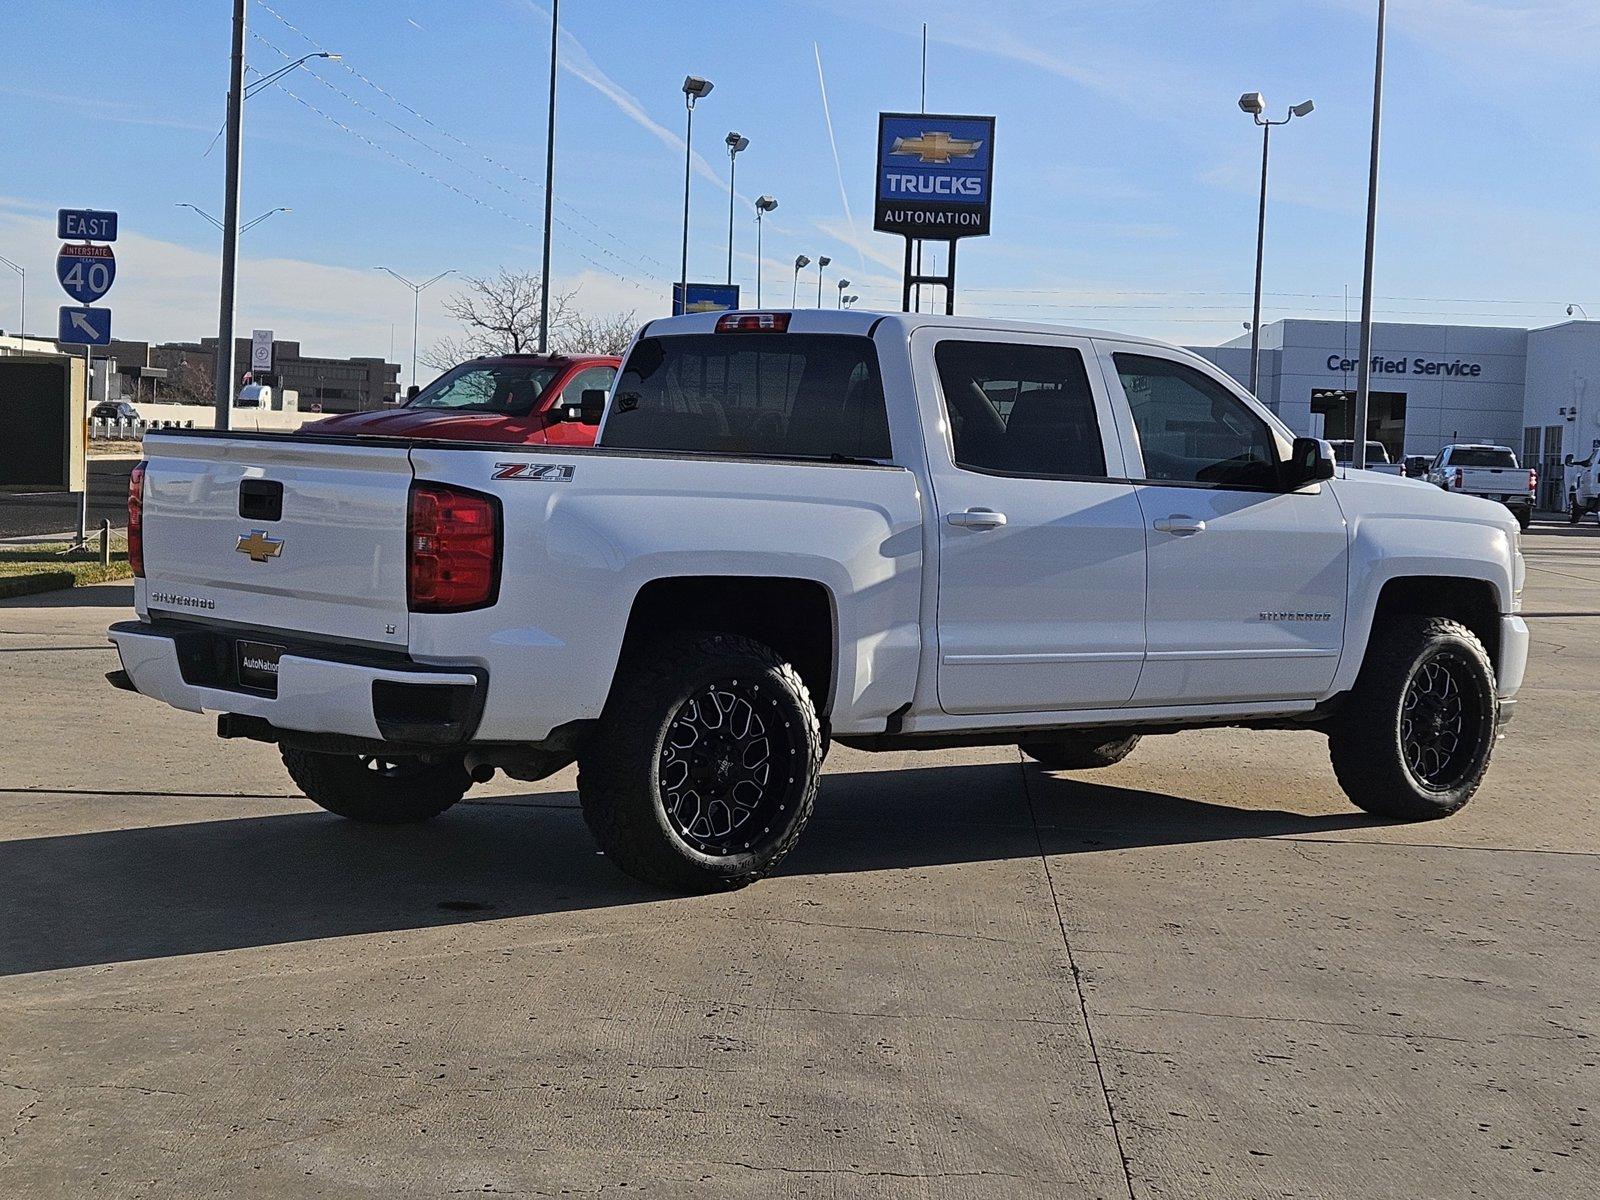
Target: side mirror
column 411, row 393
column 593, row 406
column 1568, row 460
column 562, row 413
column 1310, row 460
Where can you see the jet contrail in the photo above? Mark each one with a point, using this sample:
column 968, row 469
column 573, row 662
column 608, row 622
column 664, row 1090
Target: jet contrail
column 838, row 169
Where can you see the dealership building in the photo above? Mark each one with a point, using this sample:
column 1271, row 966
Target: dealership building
column 1431, row 385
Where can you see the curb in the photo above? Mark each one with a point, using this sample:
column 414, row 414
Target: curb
column 12, row 586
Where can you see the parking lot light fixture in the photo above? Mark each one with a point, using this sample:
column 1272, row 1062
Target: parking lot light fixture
column 735, row 143
column 800, row 262
column 764, row 205
column 822, row 262
column 843, row 283
column 1255, row 104
column 694, row 88
column 416, row 303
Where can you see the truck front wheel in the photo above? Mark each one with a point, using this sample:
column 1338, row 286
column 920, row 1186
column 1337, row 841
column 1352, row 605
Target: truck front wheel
column 378, row 790
column 1574, row 509
column 704, row 766
column 1080, row 752
column 1413, row 738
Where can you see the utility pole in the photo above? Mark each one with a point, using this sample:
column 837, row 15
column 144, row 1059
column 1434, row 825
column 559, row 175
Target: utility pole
column 223, row 378
column 549, row 198
column 1358, row 447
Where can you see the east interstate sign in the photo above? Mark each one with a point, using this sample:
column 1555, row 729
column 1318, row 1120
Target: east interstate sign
column 934, row 174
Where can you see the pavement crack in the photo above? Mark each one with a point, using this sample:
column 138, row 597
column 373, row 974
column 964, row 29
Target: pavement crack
column 1344, row 1026
column 860, row 1172
column 943, row 933
column 1077, row 982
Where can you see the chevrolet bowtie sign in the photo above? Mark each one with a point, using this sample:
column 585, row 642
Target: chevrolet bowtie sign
column 933, row 175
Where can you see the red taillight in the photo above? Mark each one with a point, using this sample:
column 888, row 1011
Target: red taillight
column 136, row 519
column 452, row 549
column 754, row 323
column 1458, row 479
column 1533, row 480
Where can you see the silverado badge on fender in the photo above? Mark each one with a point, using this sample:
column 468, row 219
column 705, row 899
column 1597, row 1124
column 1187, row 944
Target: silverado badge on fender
column 260, row 546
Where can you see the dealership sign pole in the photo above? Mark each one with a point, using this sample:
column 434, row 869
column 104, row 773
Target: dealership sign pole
column 933, row 182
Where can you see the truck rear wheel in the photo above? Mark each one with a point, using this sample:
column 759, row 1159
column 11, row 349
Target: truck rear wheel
column 1414, row 737
column 1574, row 509
column 705, row 764
column 378, row 790
column 1080, row 752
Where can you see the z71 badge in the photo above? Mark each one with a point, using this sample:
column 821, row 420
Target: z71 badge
column 540, row 472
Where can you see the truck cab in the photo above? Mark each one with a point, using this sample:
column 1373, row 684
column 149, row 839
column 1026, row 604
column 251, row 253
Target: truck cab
column 527, row 399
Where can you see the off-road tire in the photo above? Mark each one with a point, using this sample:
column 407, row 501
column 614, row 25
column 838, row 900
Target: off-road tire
column 1574, row 509
column 1524, row 519
column 1377, row 766
column 1080, row 752
column 394, row 791
column 634, row 805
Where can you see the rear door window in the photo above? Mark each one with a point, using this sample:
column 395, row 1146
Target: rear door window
column 790, row 394
column 1019, row 409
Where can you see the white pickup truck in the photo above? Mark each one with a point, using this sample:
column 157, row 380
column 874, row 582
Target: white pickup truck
column 1480, row 469
column 890, row 531
column 1583, row 486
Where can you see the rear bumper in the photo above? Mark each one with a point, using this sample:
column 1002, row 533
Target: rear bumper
column 377, row 697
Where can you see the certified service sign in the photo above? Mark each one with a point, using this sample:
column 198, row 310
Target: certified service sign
column 934, row 174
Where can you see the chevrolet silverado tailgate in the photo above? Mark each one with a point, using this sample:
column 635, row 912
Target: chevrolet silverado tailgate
column 278, row 532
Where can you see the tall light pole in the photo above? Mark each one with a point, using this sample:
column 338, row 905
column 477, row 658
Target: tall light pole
column 694, row 88
column 822, row 261
column 21, row 317
column 245, row 228
column 735, row 143
column 416, row 304
column 1256, row 105
column 794, row 292
column 764, row 205
column 222, row 379
column 549, row 188
column 850, row 300
column 1358, row 448
column 843, row 283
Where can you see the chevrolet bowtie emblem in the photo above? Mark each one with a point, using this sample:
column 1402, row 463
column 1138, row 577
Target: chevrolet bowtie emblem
column 935, row 147
column 259, row 546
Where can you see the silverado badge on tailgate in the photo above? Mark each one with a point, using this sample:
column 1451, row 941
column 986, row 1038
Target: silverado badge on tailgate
column 260, row 546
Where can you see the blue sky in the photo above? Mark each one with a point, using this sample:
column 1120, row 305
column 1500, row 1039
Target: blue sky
column 1125, row 176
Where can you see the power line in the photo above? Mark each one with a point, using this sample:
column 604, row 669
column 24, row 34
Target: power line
column 443, row 132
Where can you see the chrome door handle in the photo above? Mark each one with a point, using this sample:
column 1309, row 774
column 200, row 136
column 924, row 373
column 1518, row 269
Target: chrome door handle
column 976, row 518
column 1180, row 525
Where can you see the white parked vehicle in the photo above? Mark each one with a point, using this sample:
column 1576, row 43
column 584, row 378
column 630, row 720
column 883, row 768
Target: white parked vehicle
column 1489, row 471
column 1377, row 456
column 891, row 531
column 1583, row 486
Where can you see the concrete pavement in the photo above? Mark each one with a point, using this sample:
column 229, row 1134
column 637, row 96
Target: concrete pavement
column 1200, row 973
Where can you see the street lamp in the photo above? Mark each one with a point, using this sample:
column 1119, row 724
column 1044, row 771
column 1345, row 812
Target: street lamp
column 694, row 88
column 416, row 303
column 794, row 292
column 1570, row 307
column 735, row 143
column 245, row 228
column 764, row 205
column 843, row 283
column 1255, row 104
column 234, row 125
column 21, row 317
column 850, row 300
column 822, row 261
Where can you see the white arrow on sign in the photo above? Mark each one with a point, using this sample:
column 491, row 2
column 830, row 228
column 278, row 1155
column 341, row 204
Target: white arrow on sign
column 84, row 325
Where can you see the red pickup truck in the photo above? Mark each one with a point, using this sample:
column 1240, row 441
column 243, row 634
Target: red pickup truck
column 528, row 399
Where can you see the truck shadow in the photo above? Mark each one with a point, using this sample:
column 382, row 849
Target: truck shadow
column 130, row 894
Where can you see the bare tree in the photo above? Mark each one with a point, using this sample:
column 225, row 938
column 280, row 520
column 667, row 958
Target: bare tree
column 499, row 314
column 586, row 334
column 188, row 384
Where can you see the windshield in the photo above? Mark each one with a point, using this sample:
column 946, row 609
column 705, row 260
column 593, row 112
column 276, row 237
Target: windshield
column 511, row 389
column 1482, row 456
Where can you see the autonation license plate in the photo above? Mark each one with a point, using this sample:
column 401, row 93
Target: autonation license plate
column 258, row 666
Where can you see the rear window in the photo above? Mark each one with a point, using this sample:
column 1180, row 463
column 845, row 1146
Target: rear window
column 795, row 394
column 1486, row 456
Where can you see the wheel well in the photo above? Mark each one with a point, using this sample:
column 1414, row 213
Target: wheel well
column 1470, row 601
column 793, row 616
